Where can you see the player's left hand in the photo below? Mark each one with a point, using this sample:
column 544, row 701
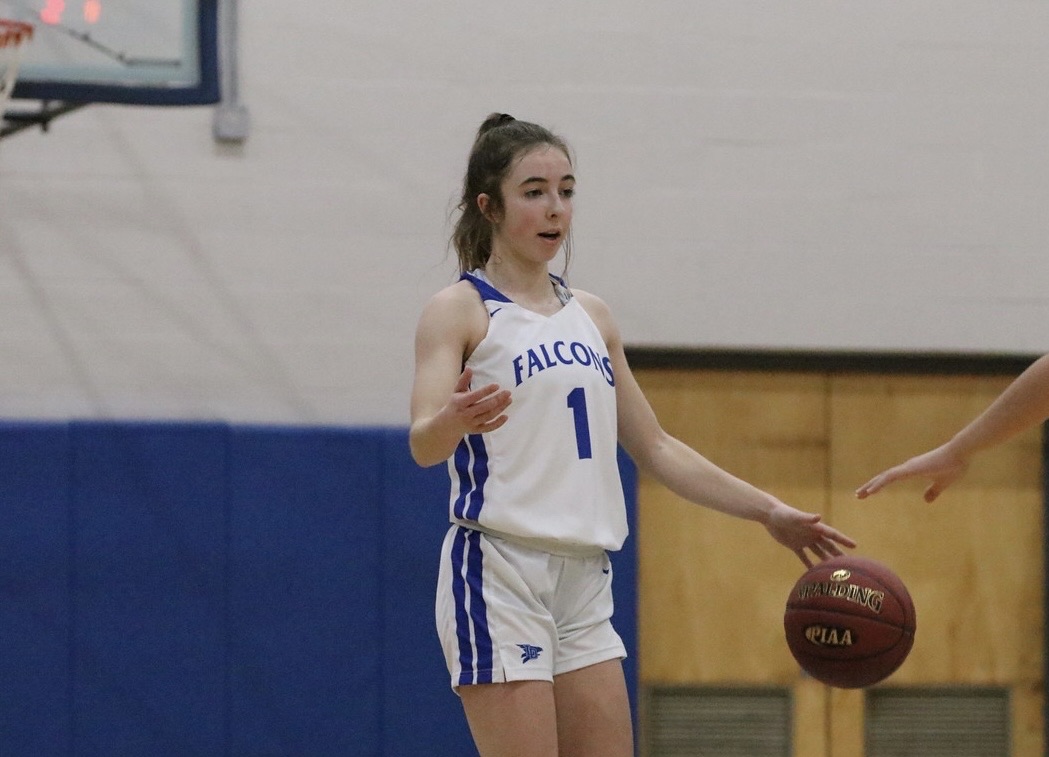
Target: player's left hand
column 800, row 531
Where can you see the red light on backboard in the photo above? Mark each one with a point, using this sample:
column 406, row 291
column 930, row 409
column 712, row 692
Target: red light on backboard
column 92, row 11
column 52, row 12
column 54, row 9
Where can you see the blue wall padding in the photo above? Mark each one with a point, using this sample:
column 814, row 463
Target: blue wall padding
column 149, row 563
column 624, row 586
column 418, row 701
column 201, row 589
column 305, row 591
column 35, row 616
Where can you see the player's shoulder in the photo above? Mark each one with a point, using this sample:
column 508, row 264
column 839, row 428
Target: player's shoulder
column 457, row 308
column 460, row 297
column 595, row 307
column 600, row 313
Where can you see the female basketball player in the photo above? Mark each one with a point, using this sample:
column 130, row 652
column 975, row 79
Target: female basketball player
column 521, row 384
column 1023, row 404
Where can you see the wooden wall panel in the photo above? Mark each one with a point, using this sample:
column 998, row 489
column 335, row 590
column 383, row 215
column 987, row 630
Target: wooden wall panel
column 712, row 587
column 812, row 736
column 972, row 560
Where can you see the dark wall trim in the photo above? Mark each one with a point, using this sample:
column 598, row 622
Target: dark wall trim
column 939, row 363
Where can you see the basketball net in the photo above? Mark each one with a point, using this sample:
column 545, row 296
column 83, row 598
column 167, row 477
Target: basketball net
column 13, row 38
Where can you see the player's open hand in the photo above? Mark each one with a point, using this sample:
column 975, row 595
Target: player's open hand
column 940, row 465
column 800, row 531
column 477, row 410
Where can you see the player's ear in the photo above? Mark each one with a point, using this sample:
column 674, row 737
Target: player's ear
column 486, row 206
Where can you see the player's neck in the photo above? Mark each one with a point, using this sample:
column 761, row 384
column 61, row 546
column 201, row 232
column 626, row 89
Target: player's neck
column 511, row 276
column 528, row 286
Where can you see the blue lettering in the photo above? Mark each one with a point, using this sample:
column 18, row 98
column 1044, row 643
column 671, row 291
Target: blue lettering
column 557, row 351
column 582, row 354
column 544, row 356
column 596, row 358
column 533, row 363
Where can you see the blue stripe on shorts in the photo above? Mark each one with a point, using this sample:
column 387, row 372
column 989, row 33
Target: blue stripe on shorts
column 471, row 613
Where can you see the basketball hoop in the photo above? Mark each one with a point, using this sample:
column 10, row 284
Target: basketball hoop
column 13, row 37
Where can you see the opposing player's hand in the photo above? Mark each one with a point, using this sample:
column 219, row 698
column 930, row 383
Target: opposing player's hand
column 477, row 410
column 800, row 531
column 940, row 465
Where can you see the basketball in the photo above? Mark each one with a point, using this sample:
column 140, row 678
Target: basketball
column 849, row 622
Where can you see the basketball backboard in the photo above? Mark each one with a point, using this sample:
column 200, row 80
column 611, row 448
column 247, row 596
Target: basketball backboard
column 144, row 52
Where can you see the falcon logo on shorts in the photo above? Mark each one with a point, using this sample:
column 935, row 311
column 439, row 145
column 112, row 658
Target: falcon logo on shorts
column 529, row 652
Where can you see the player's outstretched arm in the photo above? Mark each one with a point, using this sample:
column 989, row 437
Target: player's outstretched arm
column 1023, row 404
column 690, row 475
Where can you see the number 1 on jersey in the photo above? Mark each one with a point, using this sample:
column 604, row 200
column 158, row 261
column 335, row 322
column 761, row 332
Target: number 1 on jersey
column 577, row 401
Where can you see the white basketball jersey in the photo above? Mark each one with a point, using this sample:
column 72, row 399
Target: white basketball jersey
column 549, row 476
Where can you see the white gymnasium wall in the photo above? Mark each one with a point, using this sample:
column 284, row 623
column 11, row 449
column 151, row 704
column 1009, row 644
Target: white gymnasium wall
column 822, row 174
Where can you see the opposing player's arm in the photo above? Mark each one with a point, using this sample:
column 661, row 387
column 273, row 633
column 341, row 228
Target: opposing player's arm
column 1022, row 405
column 444, row 407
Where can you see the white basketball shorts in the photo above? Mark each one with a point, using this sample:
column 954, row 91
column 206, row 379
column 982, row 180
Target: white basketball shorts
column 506, row 612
